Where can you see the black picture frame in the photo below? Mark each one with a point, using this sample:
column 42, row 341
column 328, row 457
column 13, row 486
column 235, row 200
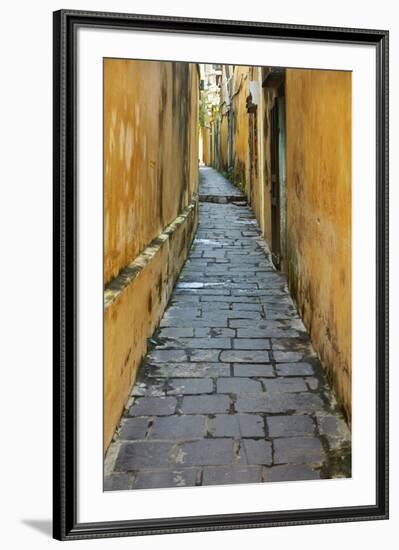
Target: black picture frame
column 65, row 25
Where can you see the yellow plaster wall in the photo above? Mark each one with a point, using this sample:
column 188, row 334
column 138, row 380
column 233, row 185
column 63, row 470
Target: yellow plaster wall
column 150, row 208
column 241, row 159
column 318, row 118
column 150, row 152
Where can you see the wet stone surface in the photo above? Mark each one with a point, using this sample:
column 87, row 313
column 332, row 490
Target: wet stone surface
column 231, row 390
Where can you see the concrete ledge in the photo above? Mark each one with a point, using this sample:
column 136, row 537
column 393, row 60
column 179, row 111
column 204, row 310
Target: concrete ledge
column 114, row 288
column 134, row 303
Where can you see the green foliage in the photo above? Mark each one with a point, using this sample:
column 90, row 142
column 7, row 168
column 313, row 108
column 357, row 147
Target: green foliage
column 204, row 107
column 234, row 178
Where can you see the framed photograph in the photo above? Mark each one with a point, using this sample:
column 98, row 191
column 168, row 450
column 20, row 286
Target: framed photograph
column 220, row 274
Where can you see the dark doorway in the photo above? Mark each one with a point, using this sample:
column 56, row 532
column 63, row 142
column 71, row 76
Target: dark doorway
column 277, row 166
column 275, row 191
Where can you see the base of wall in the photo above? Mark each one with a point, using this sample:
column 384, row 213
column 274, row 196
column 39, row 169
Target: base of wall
column 134, row 303
column 321, row 324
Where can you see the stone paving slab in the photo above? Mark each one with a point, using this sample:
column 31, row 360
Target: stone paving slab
column 238, row 386
column 139, row 454
column 247, row 356
column 256, row 451
column 186, row 370
column 196, row 343
column 134, row 428
column 154, row 406
column 178, row 427
column 291, row 473
column 188, row 386
column 252, row 343
column 206, row 452
column 250, row 369
column 231, row 390
column 237, row 425
column 294, row 369
column 150, row 479
column 285, row 385
column 287, row 426
column 300, row 450
column 118, row 482
column 205, row 404
column 219, row 475
column 277, row 403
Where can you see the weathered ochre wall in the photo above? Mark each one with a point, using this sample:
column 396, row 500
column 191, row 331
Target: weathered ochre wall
column 150, row 208
column 240, row 174
column 150, row 152
column 318, row 120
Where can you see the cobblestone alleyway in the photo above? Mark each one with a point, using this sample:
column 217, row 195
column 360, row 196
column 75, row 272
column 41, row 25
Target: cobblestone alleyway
column 231, row 391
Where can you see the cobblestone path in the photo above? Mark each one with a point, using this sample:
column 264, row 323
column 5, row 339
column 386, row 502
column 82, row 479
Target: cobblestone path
column 231, row 391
